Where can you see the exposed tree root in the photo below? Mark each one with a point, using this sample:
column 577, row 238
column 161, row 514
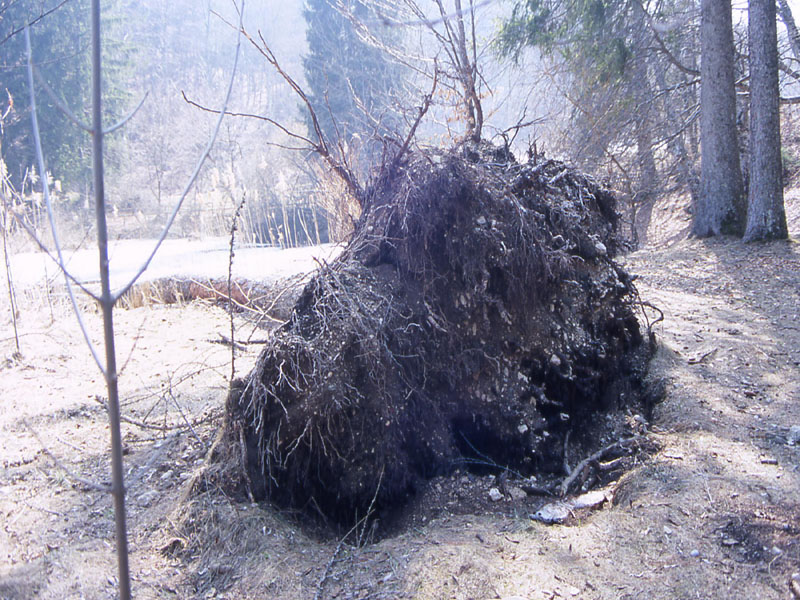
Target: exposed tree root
column 476, row 315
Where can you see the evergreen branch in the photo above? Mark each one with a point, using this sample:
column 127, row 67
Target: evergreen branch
column 41, row 16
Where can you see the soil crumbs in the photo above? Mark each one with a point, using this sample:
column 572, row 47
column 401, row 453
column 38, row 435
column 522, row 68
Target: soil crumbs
column 712, row 513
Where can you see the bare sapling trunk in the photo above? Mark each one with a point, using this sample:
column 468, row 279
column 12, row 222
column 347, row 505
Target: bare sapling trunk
column 766, row 217
column 107, row 302
column 720, row 206
column 108, row 299
column 463, row 54
column 468, row 73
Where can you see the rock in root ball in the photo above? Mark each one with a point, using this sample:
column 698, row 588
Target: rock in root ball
column 476, row 315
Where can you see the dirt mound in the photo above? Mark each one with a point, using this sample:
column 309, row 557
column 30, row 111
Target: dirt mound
column 476, row 317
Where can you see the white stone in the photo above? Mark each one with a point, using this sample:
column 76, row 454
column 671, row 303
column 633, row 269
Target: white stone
column 589, row 499
column 146, row 499
column 794, row 435
column 555, row 512
column 517, row 494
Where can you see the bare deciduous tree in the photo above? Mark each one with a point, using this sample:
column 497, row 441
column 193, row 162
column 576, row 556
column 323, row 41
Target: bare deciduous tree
column 107, row 299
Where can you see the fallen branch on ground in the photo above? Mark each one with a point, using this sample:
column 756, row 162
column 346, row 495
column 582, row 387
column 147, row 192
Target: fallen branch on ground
column 578, row 471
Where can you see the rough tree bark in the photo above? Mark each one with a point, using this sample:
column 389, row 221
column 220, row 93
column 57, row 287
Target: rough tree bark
column 791, row 27
column 647, row 180
column 766, row 217
column 720, row 207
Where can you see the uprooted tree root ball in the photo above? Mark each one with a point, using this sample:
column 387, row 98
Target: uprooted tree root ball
column 476, row 317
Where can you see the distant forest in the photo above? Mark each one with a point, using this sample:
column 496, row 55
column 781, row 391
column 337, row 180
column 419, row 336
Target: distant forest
column 613, row 87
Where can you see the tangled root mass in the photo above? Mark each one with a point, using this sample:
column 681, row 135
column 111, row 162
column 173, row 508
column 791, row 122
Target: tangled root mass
column 476, row 316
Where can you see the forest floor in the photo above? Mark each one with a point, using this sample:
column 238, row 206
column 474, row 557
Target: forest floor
column 713, row 512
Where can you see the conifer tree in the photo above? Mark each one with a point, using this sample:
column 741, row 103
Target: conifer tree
column 60, row 36
column 766, row 216
column 61, row 39
column 352, row 85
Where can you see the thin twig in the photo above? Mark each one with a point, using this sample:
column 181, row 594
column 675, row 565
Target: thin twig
column 33, row 22
column 142, row 424
column 60, row 105
column 363, row 520
column 371, row 506
column 37, row 142
column 20, row 219
column 426, row 103
column 183, row 416
column 234, row 224
column 88, row 483
column 12, row 298
column 128, row 117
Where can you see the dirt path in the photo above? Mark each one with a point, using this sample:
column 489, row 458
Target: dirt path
column 713, row 513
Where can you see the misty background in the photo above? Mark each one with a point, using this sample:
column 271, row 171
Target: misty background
column 622, row 106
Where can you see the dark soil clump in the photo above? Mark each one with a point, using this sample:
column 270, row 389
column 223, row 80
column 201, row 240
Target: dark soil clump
column 475, row 318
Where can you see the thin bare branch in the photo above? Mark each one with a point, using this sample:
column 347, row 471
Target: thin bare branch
column 423, row 20
column 410, row 61
column 41, row 16
column 285, row 130
column 124, row 120
column 321, row 146
column 662, row 46
column 20, row 219
column 37, row 142
column 568, row 482
column 426, row 103
column 82, row 480
column 60, row 105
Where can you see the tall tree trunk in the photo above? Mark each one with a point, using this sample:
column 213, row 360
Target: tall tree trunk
column 766, row 218
column 791, row 27
column 720, row 207
column 647, row 180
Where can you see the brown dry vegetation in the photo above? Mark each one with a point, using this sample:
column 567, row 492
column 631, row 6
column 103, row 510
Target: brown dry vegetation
column 711, row 512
